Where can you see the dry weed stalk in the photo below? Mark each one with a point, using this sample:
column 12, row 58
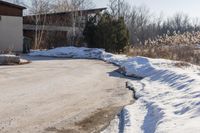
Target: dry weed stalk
column 180, row 47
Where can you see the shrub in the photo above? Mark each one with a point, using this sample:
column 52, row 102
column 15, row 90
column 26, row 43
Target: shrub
column 108, row 33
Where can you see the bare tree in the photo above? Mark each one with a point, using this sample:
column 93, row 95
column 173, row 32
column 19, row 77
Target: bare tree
column 76, row 17
column 81, row 4
column 120, row 8
column 180, row 22
column 71, row 5
column 140, row 20
column 61, row 6
column 196, row 24
column 39, row 9
column 113, row 5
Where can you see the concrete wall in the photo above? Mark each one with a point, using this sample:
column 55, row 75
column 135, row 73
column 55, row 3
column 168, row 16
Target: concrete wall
column 11, row 33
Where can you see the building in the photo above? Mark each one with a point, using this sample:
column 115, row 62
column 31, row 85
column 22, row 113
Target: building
column 57, row 29
column 11, row 27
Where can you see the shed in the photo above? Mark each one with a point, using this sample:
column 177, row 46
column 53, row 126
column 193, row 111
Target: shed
column 11, row 27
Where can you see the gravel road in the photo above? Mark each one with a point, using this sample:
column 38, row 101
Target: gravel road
column 52, row 95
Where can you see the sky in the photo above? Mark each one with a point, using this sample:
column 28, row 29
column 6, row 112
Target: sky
column 167, row 7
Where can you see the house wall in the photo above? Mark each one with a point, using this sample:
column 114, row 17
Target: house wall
column 58, row 28
column 10, row 11
column 11, row 33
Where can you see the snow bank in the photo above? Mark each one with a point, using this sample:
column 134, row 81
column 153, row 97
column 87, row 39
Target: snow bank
column 82, row 52
column 170, row 108
column 70, row 52
column 169, row 96
column 6, row 59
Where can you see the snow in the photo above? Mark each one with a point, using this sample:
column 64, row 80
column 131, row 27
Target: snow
column 168, row 95
column 70, row 52
column 6, row 59
column 198, row 46
column 7, row 55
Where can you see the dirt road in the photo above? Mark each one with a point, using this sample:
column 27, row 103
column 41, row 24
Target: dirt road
column 60, row 95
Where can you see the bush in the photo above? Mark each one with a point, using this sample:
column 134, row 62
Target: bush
column 107, row 33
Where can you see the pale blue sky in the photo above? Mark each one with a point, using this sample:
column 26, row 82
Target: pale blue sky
column 168, row 7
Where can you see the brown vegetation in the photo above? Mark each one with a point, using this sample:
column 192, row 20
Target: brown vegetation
column 187, row 38
column 182, row 47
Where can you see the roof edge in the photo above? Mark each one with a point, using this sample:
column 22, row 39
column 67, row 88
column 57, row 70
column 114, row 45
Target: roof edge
column 84, row 10
column 13, row 5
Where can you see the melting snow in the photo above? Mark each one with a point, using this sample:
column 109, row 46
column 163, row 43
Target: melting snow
column 169, row 96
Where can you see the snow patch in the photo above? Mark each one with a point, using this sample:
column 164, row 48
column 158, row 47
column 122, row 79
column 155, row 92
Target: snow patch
column 70, row 52
column 169, row 96
column 6, row 59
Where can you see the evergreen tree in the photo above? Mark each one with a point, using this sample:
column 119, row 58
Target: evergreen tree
column 122, row 35
column 108, row 33
column 89, row 32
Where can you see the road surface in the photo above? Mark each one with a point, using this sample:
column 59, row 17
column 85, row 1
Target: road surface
column 53, row 95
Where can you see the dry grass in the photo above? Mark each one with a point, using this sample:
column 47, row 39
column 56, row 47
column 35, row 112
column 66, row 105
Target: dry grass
column 180, row 53
column 187, row 38
column 181, row 47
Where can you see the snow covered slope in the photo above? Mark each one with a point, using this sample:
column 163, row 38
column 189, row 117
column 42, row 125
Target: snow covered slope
column 169, row 97
column 169, row 93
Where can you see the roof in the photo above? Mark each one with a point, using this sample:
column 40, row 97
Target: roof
column 85, row 10
column 11, row 5
column 79, row 11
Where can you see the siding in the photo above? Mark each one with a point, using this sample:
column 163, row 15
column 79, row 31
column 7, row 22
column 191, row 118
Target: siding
column 11, row 34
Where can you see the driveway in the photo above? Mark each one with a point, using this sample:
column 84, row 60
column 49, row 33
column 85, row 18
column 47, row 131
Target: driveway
column 60, row 95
